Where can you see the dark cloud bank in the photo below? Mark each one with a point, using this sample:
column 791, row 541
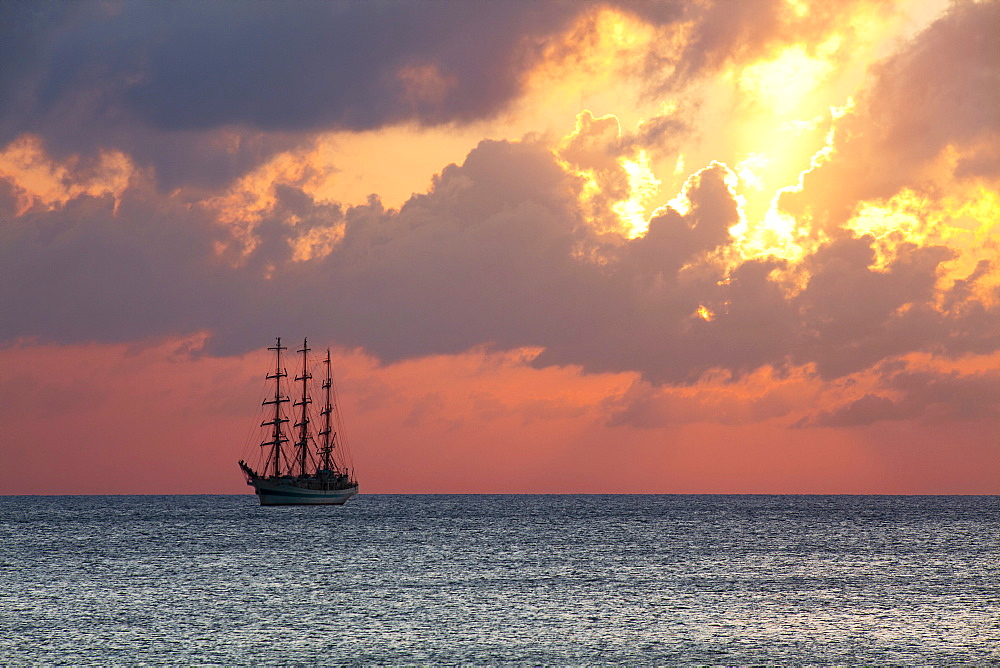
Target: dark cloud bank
column 156, row 79
column 491, row 254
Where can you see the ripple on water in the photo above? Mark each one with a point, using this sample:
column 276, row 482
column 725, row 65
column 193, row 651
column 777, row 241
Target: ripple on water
column 488, row 579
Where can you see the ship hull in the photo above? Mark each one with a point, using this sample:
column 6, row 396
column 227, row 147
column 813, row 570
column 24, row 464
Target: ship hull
column 276, row 493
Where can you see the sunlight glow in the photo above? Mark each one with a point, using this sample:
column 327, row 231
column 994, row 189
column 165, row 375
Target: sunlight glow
column 643, row 187
column 967, row 223
column 595, row 49
column 784, row 82
column 750, row 168
column 600, row 62
column 799, row 7
column 616, row 179
column 778, row 233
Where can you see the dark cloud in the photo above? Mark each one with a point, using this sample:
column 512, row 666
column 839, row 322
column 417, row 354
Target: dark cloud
column 943, row 89
column 673, row 238
column 854, row 314
column 983, row 161
column 864, row 411
column 157, row 80
column 312, row 65
column 949, row 395
column 919, row 394
column 660, row 133
column 90, row 272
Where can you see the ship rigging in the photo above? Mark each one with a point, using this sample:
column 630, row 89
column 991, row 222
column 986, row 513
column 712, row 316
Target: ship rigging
column 313, row 470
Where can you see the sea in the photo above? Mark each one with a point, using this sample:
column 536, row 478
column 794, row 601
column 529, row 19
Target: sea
column 501, row 580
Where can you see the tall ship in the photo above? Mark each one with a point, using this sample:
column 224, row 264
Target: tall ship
column 314, row 469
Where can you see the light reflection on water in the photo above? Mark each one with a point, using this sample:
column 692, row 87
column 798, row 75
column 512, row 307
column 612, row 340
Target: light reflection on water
column 501, row 579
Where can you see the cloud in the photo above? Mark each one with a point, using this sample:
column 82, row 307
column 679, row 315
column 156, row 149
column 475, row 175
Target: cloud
column 194, row 66
column 101, row 269
column 937, row 94
column 764, row 395
column 950, row 395
column 866, row 410
column 497, row 252
column 355, row 66
column 204, row 91
column 855, row 314
column 702, row 38
column 918, row 394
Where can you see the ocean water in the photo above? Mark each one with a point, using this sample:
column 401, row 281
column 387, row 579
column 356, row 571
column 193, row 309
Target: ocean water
column 482, row 579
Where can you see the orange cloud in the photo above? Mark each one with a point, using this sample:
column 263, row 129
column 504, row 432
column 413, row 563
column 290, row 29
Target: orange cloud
column 39, row 180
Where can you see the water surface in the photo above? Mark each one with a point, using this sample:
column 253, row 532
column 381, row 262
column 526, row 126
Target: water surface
column 501, row 579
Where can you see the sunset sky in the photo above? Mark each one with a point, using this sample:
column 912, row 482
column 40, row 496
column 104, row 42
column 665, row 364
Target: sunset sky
column 663, row 247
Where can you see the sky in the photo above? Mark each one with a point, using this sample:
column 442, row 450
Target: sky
column 554, row 247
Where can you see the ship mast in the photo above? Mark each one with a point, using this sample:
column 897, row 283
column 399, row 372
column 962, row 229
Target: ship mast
column 303, row 423
column 277, row 437
column 327, row 447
